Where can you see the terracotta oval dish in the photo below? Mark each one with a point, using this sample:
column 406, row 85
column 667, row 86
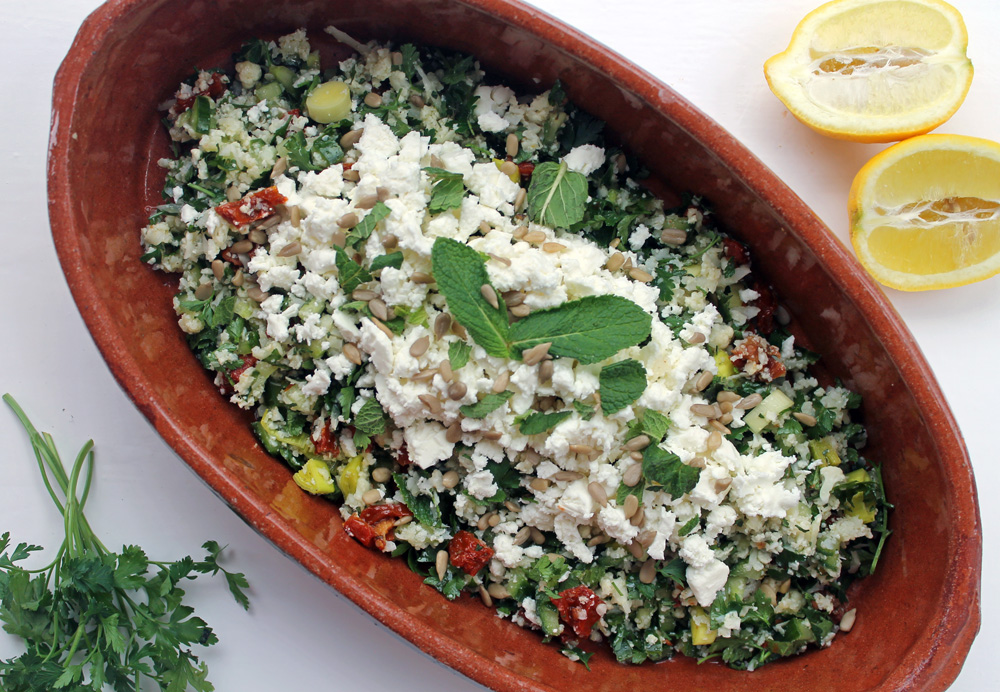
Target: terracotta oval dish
column 919, row 612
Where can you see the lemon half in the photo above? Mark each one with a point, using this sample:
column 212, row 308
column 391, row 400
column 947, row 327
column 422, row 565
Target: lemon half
column 925, row 213
column 874, row 70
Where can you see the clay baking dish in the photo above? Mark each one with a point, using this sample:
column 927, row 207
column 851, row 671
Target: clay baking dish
column 917, row 615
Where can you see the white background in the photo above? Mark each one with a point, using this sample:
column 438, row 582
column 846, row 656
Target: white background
column 300, row 634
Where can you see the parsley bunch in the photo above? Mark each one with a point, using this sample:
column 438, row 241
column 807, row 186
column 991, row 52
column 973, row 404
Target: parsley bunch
column 93, row 618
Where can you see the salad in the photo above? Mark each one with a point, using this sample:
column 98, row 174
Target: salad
column 455, row 310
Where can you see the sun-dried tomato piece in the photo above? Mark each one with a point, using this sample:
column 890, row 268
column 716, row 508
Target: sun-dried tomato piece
column 526, row 168
column 233, row 376
column 403, row 457
column 259, row 205
column 379, row 513
column 757, row 358
column 326, row 442
column 736, row 251
column 767, row 304
column 374, row 527
column 215, row 88
column 578, row 608
column 468, row 553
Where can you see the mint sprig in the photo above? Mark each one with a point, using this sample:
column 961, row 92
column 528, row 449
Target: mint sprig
column 621, row 384
column 537, row 423
column 448, row 190
column 364, row 229
column 589, row 329
column 485, row 406
column 460, row 274
column 350, row 273
column 557, row 196
column 665, row 469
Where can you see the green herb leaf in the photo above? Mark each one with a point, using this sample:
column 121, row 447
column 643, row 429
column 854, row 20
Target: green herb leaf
column 424, row 507
column 690, row 526
column 364, row 229
column 371, row 418
column 460, row 274
column 624, row 491
column 458, row 354
column 557, row 196
column 448, row 190
column 540, row 422
column 655, row 424
column 621, row 384
column 485, row 406
column 393, row 259
column 350, row 273
column 666, row 469
column 586, row 411
column 589, row 329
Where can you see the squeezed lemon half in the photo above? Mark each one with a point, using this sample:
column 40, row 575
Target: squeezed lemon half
column 925, row 213
column 874, row 70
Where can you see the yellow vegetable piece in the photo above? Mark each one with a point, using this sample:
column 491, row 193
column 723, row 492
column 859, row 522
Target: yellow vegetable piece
column 348, row 478
column 725, row 366
column 701, row 634
column 514, row 172
column 874, row 70
column 823, row 450
column 330, row 102
column 925, row 213
column 856, row 507
column 314, row 477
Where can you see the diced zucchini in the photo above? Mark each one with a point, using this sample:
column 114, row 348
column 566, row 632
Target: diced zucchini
column 285, row 76
column 268, row 92
column 244, row 308
column 767, row 411
column 549, row 617
column 856, row 506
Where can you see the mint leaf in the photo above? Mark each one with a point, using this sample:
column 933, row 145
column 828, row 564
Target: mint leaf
column 624, row 491
column 370, row 419
column 367, row 225
column 540, row 422
column 589, row 329
column 447, row 192
column 460, row 274
column 621, row 384
column 350, row 274
column 557, row 196
column 666, row 469
column 458, row 354
column 585, row 410
column 424, row 507
column 393, row 259
column 485, row 406
column 690, row 526
column 655, row 424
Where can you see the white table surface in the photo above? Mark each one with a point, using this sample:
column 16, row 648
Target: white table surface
column 300, row 634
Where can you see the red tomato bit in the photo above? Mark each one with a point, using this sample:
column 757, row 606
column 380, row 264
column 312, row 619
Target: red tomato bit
column 215, row 88
column 767, row 304
column 233, row 376
column 578, row 608
column 757, row 358
column 526, row 169
column 468, row 553
column 259, row 205
column 326, row 442
column 373, row 528
column 736, row 251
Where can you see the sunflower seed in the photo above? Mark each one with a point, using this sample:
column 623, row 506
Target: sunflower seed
column 441, row 563
column 632, row 475
column 420, row 346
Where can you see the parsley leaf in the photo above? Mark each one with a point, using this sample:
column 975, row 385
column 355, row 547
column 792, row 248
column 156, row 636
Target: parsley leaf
column 460, row 274
column 485, row 406
column 447, row 192
column 540, row 422
column 621, row 384
column 458, row 354
column 557, row 196
column 666, row 469
column 589, row 329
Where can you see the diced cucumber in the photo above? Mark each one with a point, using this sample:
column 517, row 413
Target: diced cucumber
column 244, row 308
column 349, row 475
column 549, row 617
column 767, row 411
column 285, row 76
column 701, row 632
column 268, row 92
column 315, row 478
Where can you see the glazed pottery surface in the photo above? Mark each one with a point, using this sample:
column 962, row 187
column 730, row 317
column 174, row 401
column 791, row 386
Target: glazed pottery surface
column 918, row 613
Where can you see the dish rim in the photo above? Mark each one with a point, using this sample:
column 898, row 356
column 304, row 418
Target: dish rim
column 928, row 665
